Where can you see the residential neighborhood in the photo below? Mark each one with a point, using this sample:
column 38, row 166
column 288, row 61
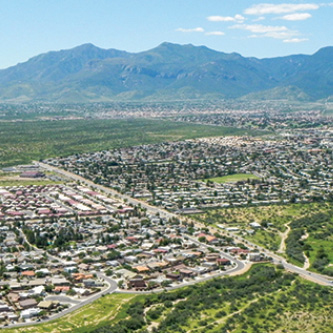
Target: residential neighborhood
column 188, row 175
column 62, row 244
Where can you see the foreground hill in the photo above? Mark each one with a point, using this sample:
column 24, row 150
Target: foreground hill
column 167, row 72
column 264, row 300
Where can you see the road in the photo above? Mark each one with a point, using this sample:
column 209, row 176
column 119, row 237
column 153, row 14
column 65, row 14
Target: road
column 318, row 278
column 111, row 287
column 125, row 198
column 278, row 260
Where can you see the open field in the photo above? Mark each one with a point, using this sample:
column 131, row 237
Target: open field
column 14, row 179
column 265, row 299
column 232, row 178
column 311, row 230
column 24, row 141
column 25, row 181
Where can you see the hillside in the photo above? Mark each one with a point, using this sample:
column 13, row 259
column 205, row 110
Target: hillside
column 168, row 72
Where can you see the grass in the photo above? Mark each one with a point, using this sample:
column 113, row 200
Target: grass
column 14, row 179
column 232, row 178
column 25, row 182
column 24, row 141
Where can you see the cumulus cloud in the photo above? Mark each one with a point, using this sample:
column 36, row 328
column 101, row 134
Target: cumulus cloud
column 295, row 40
column 198, row 29
column 236, row 18
column 215, row 33
column 296, row 17
column 284, row 8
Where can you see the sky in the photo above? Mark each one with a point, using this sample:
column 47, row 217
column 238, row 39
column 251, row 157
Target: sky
column 252, row 28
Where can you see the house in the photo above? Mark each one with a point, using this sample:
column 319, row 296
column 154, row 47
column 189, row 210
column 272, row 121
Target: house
column 79, row 277
column 175, row 276
column 255, row 225
column 13, row 297
column 70, row 269
column 4, row 307
column 59, row 281
column 223, row 262
column 28, row 313
column 254, row 257
column 60, row 289
column 137, row 283
column 82, row 291
column 32, row 174
column 88, row 283
column 211, row 257
column 83, row 267
column 48, row 305
column 141, row 268
column 29, row 274
column 28, row 303
column 12, row 316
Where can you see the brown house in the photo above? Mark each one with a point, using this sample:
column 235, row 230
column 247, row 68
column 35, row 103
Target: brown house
column 28, row 303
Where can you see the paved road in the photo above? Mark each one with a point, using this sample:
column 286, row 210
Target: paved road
column 315, row 277
column 111, row 287
column 318, row 278
column 125, row 198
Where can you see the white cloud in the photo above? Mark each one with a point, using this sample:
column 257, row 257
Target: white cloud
column 260, row 18
column 236, row 18
column 296, row 17
column 199, row 29
column 267, row 8
column 295, row 40
column 280, row 34
column 215, row 33
column 269, row 31
column 259, row 28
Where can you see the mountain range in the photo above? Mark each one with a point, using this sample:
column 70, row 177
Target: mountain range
column 87, row 73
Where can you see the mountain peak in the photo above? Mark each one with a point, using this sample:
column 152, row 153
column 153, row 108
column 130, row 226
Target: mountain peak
column 325, row 52
column 169, row 71
column 86, row 46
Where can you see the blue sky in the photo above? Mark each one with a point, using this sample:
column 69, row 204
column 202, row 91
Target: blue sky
column 252, row 28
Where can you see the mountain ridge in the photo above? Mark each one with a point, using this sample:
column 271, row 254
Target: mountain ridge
column 87, row 73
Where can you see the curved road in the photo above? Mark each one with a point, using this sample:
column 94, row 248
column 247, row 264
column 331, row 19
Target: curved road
column 112, row 285
column 317, row 278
